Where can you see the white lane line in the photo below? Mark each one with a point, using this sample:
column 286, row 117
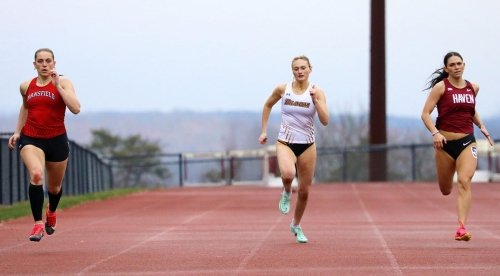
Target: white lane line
column 387, row 250
column 151, row 238
column 257, row 247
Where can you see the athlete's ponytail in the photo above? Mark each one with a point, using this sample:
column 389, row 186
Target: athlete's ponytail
column 440, row 74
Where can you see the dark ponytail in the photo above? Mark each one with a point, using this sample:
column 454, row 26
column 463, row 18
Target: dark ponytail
column 441, row 74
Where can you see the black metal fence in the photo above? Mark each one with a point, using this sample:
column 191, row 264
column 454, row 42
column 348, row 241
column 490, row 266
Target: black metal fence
column 412, row 162
column 144, row 170
column 89, row 173
column 405, row 163
column 86, row 173
column 225, row 169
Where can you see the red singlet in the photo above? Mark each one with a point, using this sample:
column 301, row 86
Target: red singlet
column 456, row 108
column 46, row 110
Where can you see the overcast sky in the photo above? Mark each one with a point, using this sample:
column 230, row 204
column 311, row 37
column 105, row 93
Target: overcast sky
column 228, row 55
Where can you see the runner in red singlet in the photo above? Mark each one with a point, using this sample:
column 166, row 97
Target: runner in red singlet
column 41, row 137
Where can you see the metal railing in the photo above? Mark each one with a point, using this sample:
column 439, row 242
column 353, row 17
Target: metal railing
column 405, row 163
column 86, row 173
column 411, row 162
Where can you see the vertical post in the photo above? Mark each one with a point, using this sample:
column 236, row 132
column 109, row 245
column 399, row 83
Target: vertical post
column 11, row 177
column 20, row 169
column 231, row 170
column 266, row 167
column 344, row 165
column 182, row 170
column 413, row 163
column 490, row 166
column 1, row 172
column 26, row 181
column 110, row 176
column 378, row 131
column 222, row 169
column 81, row 171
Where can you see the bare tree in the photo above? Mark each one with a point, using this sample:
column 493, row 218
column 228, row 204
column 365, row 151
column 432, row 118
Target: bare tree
column 135, row 160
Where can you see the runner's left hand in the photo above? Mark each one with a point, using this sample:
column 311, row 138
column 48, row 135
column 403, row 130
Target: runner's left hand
column 55, row 77
column 487, row 135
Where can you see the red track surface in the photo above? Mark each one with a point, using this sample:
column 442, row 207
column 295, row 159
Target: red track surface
column 360, row 229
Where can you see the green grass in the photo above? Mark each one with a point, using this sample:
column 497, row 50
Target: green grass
column 22, row 209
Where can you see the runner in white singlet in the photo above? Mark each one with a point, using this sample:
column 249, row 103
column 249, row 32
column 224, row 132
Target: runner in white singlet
column 295, row 149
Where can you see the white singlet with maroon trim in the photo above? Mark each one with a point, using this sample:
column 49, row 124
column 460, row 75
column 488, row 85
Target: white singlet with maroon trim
column 297, row 117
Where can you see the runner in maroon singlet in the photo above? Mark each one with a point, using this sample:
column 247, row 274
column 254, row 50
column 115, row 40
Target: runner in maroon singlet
column 453, row 133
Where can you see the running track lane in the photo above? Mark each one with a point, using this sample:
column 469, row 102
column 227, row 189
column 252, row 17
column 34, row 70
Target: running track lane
column 359, row 228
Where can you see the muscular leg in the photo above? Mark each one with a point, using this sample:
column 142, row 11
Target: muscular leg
column 306, row 164
column 445, row 168
column 55, row 176
column 466, row 167
column 34, row 160
column 286, row 163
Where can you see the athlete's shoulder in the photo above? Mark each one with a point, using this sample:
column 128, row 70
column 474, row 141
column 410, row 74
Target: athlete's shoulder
column 23, row 87
column 437, row 90
column 64, row 79
column 474, row 86
column 280, row 88
column 65, row 82
column 440, row 85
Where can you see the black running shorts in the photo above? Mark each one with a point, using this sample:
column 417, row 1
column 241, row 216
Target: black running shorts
column 56, row 149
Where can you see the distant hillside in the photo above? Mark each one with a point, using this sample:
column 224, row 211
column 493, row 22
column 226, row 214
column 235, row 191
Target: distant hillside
column 202, row 131
column 176, row 131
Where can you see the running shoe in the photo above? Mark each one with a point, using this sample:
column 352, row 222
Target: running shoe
column 50, row 224
column 462, row 235
column 284, row 204
column 37, row 232
column 297, row 231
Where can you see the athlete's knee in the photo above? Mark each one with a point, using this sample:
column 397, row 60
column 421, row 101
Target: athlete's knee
column 54, row 189
column 445, row 192
column 288, row 175
column 445, row 188
column 303, row 194
column 36, row 175
column 445, row 184
column 464, row 183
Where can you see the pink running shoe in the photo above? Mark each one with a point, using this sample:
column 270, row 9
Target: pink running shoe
column 37, row 232
column 462, row 235
column 50, row 224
